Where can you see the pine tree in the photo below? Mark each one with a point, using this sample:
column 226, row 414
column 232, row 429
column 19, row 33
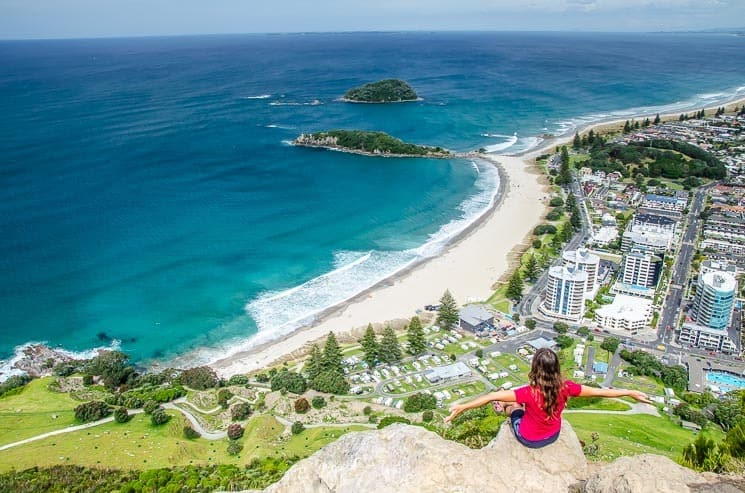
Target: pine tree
column 626, row 127
column 636, row 125
column 646, row 122
column 565, row 175
column 331, row 359
column 515, row 286
column 448, row 314
column 531, row 268
column 314, row 366
column 591, row 137
column 370, row 346
column 576, row 220
column 571, row 201
column 415, row 335
column 565, row 233
column 657, row 119
column 390, row 350
column 577, row 143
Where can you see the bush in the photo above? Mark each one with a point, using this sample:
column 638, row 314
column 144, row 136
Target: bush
column 530, row 323
column 331, row 382
column 428, row 416
column 367, row 411
column 479, row 353
column 199, row 378
column 389, row 420
column 556, row 202
column 190, row 433
column 150, row 406
column 553, row 215
column 234, row 448
column 318, row 402
column 14, row 382
column 223, row 396
column 372, row 419
column 63, row 369
column 159, row 417
column 419, row 402
column 289, row 381
column 121, row 415
column 297, row 427
column 543, row 229
column 240, row 411
column 537, row 244
column 92, row 411
column 301, row 405
column 235, row 431
column 87, row 380
column 561, row 327
column 262, row 378
column 238, row 380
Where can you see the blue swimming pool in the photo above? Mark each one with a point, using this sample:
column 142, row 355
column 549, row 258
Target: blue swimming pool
column 725, row 381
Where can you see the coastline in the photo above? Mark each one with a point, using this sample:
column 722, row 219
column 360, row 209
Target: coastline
column 468, row 269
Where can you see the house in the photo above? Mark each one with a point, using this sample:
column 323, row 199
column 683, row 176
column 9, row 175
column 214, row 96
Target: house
column 542, row 342
column 477, row 319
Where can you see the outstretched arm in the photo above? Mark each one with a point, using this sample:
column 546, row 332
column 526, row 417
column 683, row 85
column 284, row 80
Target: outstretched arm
column 500, row 395
column 595, row 392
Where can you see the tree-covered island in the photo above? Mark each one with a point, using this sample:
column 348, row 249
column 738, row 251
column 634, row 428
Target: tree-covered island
column 369, row 144
column 384, row 91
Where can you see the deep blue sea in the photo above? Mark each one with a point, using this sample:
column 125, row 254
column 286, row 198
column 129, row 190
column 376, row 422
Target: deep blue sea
column 148, row 193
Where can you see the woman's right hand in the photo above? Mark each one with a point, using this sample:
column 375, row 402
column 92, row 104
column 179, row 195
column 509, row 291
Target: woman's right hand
column 455, row 410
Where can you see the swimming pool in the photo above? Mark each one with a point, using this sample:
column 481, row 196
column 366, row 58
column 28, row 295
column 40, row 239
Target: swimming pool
column 725, row 381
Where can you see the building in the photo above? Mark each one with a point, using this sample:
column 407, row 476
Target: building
column 651, row 231
column 542, row 343
column 448, row 372
column 565, row 293
column 476, row 318
column 653, row 223
column 724, row 246
column 641, row 268
column 707, row 338
column 627, row 313
column 714, row 300
column 585, row 261
column 718, row 266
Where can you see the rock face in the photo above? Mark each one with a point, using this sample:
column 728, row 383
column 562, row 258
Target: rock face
column 401, row 459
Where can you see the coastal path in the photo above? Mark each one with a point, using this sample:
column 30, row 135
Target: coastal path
column 64, row 430
column 209, row 435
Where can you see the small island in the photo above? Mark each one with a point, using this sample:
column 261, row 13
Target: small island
column 369, row 144
column 384, row 91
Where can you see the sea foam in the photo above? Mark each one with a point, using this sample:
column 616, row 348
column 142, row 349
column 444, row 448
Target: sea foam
column 7, row 369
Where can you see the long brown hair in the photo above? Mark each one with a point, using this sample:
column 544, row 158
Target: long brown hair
column 545, row 377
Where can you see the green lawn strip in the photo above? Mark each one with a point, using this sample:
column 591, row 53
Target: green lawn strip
column 622, row 435
column 136, row 444
column 597, row 403
column 32, row 411
column 312, row 439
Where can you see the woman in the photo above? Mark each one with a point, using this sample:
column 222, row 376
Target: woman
column 535, row 410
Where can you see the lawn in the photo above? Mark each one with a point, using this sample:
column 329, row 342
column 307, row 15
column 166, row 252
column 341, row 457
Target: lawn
column 35, row 410
column 622, row 435
column 597, row 403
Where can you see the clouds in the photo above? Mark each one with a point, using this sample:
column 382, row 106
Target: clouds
column 82, row 18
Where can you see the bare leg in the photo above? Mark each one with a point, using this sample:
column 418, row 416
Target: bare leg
column 509, row 408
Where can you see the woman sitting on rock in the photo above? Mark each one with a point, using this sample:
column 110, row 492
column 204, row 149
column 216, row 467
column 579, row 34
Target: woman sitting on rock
column 535, row 409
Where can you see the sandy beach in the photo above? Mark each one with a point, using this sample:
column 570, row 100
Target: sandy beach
column 469, row 268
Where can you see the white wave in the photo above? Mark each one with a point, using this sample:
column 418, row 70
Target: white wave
column 260, row 96
column 503, row 145
column 713, row 95
column 501, row 136
column 7, row 369
column 282, row 127
column 277, row 313
column 315, row 102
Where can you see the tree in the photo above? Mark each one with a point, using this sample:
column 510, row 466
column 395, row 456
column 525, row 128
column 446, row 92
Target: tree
column 302, row 405
column 199, row 378
column 331, row 359
column 419, row 402
column 190, row 433
column 561, row 327
column 223, row 396
column 289, row 381
column 515, row 286
column 576, row 220
column 428, row 416
column 610, row 344
column 121, row 415
column 234, row 448
column 159, row 417
column 657, row 119
column 390, row 350
column 113, row 367
column 92, row 411
column 516, row 317
column 530, row 323
column 537, row 244
column 583, row 331
column 415, row 335
column 240, row 411
column 448, row 314
column 235, row 431
column 565, row 175
column 331, row 382
column 564, row 341
column 314, row 366
column 571, row 201
column 577, row 142
column 626, row 127
column 566, row 232
column 318, row 402
column 531, row 268
column 297, row 428
column 370, row 346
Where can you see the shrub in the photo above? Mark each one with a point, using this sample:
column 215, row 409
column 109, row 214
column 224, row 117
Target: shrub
column 419, row 402
column 262, row 378
column 537, row 244
column 302, row 405
column 428, row 416
column 238, row 380
column 372, row 419
column 289, row 381
column 199, row 378
column 63, row 369
column 87, row 380
column 479, row 353
column 553, row 215
column 297, row 427
column 318, row 402
column 332, row 382
column 367, row 411
column 389, row 420
column 543, row 229
column 234, row 448
column 556, row 202
column 223, row 396
column 159, row 417
column 530, row 323
column 235, row 431
column 150, row 406
column 190, row 432
column 92, row 411
column 240, row 411
column 121, row 415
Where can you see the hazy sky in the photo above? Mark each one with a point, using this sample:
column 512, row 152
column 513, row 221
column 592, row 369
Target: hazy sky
column 96, row 18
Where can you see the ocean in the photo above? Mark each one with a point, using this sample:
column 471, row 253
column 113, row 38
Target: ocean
column 150, row 200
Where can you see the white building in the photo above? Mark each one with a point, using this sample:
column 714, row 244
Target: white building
column 585, row 261
column 707, row 338
column 640, row 268
column 565, row 293
column 628, row 313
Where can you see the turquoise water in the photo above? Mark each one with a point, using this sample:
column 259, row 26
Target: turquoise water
column 148, row 194
column 725, row 381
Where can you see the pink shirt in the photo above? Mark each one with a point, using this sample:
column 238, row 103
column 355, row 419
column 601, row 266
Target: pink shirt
column 536, row 424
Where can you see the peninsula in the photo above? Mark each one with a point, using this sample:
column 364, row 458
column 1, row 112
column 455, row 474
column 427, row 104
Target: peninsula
column 369, row 144
column 384, row 91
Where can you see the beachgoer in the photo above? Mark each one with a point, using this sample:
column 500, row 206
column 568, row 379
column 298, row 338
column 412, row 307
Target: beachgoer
column 535, row 409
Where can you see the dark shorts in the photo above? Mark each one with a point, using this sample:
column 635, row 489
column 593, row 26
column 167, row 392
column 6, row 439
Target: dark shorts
column 515, row 418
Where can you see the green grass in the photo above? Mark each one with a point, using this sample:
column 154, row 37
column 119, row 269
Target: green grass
column 622, row 435
column 32, row 411
column 597, row 403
